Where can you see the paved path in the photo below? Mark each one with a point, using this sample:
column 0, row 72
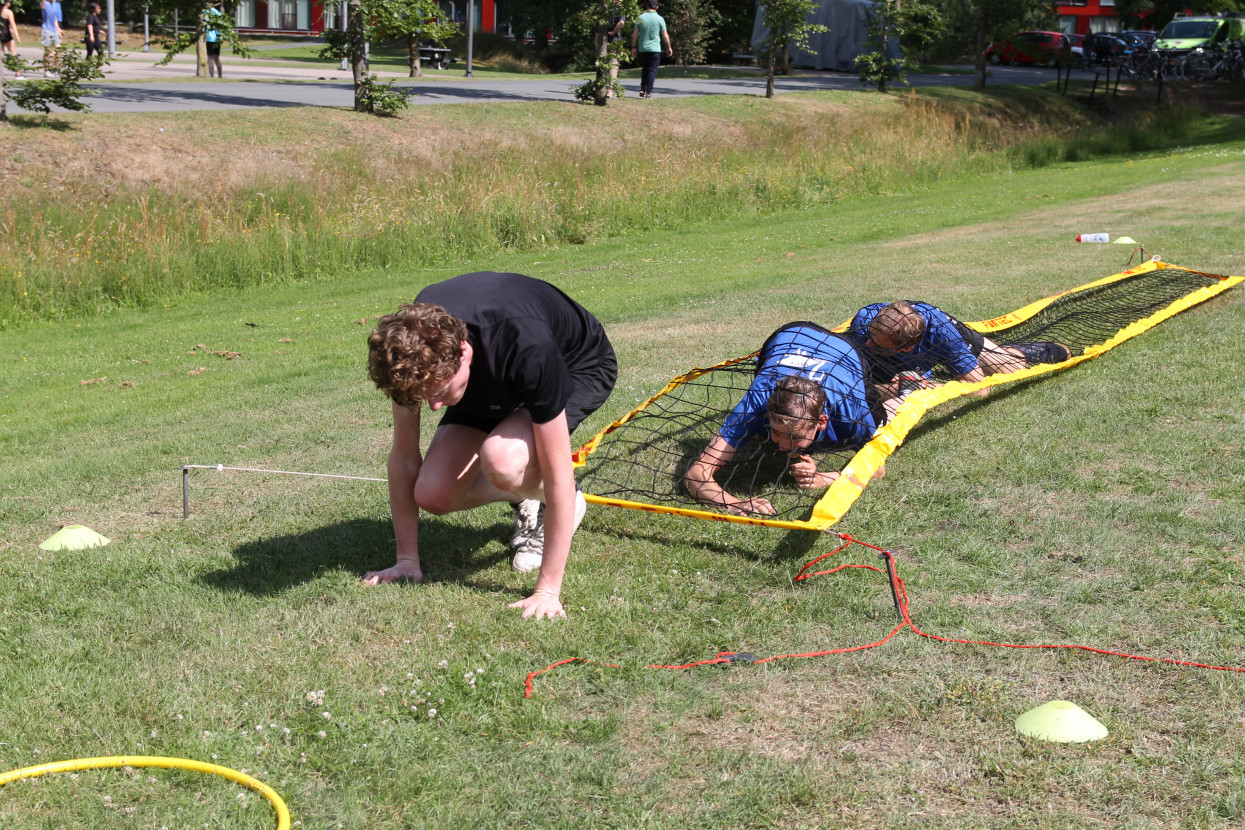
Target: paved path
column 135, row 84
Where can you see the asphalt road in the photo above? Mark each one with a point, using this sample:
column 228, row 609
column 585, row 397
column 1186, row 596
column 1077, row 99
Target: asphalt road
column 136, row 85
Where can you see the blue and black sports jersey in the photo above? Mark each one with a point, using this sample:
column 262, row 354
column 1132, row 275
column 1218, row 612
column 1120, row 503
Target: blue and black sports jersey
column 830, row 360
column 942, row 344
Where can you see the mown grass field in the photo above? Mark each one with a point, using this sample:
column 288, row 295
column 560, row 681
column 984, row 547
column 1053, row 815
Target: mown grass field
column 1101, row 506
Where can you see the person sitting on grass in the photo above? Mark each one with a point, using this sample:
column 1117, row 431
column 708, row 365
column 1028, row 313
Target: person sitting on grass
column 517, row 365
column 905, row 340
column 811, row 391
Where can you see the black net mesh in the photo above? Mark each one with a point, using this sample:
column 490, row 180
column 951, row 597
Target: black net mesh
column 646, row 458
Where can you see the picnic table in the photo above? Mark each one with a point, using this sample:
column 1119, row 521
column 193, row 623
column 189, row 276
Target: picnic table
column 437, row 57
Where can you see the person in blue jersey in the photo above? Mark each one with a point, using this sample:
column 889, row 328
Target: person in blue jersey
column 52, row 35
column 905, row 340
column 811, row 391
column 516, row 365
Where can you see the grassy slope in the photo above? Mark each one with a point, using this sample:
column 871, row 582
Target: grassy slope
column 195, row 201
column 1102, row 506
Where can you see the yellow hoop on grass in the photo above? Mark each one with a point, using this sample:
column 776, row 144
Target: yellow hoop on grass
column 79, row 764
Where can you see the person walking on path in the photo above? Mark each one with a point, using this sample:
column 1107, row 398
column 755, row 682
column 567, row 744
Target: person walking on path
column 52, row 35
column 94, row 31
column 9, row 38
column 211, row 40
column 647, row 39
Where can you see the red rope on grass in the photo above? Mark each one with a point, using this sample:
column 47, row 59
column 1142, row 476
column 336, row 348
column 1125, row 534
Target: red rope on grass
column 901, row 603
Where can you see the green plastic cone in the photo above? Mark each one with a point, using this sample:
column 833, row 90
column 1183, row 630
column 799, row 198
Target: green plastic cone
column 1125, row 240
column 74, row 537
column 1060, row 721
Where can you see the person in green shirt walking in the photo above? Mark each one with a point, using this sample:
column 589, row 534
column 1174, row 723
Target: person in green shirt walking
column 647, row 41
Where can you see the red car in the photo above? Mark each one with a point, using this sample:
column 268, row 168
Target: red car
column 1030, row 48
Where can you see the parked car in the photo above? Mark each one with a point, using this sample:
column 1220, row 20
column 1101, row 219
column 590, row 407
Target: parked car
column 1104, row 47
column 1029, row 48
column 1185, row 33
column 1077, row 45
column 1141, row 37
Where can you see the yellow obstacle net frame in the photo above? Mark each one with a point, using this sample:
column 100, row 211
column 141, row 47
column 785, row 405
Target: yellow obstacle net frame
column 139, row 761
column 858, row 471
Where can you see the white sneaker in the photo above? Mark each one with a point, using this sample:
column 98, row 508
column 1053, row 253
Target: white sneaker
column 526, row 520
column 529, row 548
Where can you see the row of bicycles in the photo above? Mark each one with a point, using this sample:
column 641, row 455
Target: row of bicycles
column 1222, row 62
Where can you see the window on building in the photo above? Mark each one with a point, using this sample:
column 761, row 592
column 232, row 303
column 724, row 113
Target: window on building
column 244, row 17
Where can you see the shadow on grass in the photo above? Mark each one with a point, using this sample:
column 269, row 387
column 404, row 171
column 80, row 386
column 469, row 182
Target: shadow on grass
column 40, row 121
column 266, row 567
column 933, row 421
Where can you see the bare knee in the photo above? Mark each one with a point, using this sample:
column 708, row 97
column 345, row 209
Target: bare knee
column 433, row 496
column 505, row 462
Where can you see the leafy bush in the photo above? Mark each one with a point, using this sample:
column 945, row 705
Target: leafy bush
column 380, row 98
column 64, row 90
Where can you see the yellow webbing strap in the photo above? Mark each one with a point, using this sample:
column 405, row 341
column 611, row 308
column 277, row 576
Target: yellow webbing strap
column 858, row 472
column 856, row 475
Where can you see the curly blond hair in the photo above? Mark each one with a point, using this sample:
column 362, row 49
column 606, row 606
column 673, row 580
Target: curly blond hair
column 795, row 399
column 415, row 351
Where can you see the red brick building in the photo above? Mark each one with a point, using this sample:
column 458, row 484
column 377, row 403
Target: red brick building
column 1081, row 18
column 308, row 16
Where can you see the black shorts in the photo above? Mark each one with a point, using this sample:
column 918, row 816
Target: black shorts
column 591, row 388
column 976, row 340
column 213, row 47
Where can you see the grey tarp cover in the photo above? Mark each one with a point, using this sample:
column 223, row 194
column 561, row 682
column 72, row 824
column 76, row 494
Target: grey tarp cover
column 848, row 22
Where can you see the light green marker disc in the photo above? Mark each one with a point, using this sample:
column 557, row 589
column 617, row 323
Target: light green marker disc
column 74, row 537
column 1060, row 721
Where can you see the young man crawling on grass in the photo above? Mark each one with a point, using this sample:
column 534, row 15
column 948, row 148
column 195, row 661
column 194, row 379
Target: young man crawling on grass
column 906, row 340
column 811, row 391
column 516, row 365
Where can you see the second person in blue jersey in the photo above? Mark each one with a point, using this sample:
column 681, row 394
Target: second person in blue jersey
column 812, row 390
column 906, row 339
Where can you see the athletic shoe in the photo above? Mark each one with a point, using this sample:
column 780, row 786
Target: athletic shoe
column 526, row 520
column 530, row 550
column 1043, row 351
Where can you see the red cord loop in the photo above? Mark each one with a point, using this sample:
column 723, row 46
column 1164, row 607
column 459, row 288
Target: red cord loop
column 900, row 593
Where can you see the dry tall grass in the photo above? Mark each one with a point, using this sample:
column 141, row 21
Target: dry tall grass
column 124, row 210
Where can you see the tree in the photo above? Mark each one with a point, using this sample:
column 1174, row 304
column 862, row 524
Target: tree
column 972, row 25
column 422, row 22
column 734, row 31
column 691, row 24
column 372, row 21
column 607, row 56
column 904, row 23
column 41, row 94
column 222, row 20
column 788, row 25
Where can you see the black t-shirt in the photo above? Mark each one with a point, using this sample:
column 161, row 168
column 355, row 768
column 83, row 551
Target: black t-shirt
column 97, row 27
column 528, row 339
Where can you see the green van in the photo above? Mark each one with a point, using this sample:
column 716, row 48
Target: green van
column 1185, row 33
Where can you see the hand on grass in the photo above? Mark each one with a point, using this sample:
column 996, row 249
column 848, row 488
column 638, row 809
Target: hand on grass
column 402, row 571
column 540, row 605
